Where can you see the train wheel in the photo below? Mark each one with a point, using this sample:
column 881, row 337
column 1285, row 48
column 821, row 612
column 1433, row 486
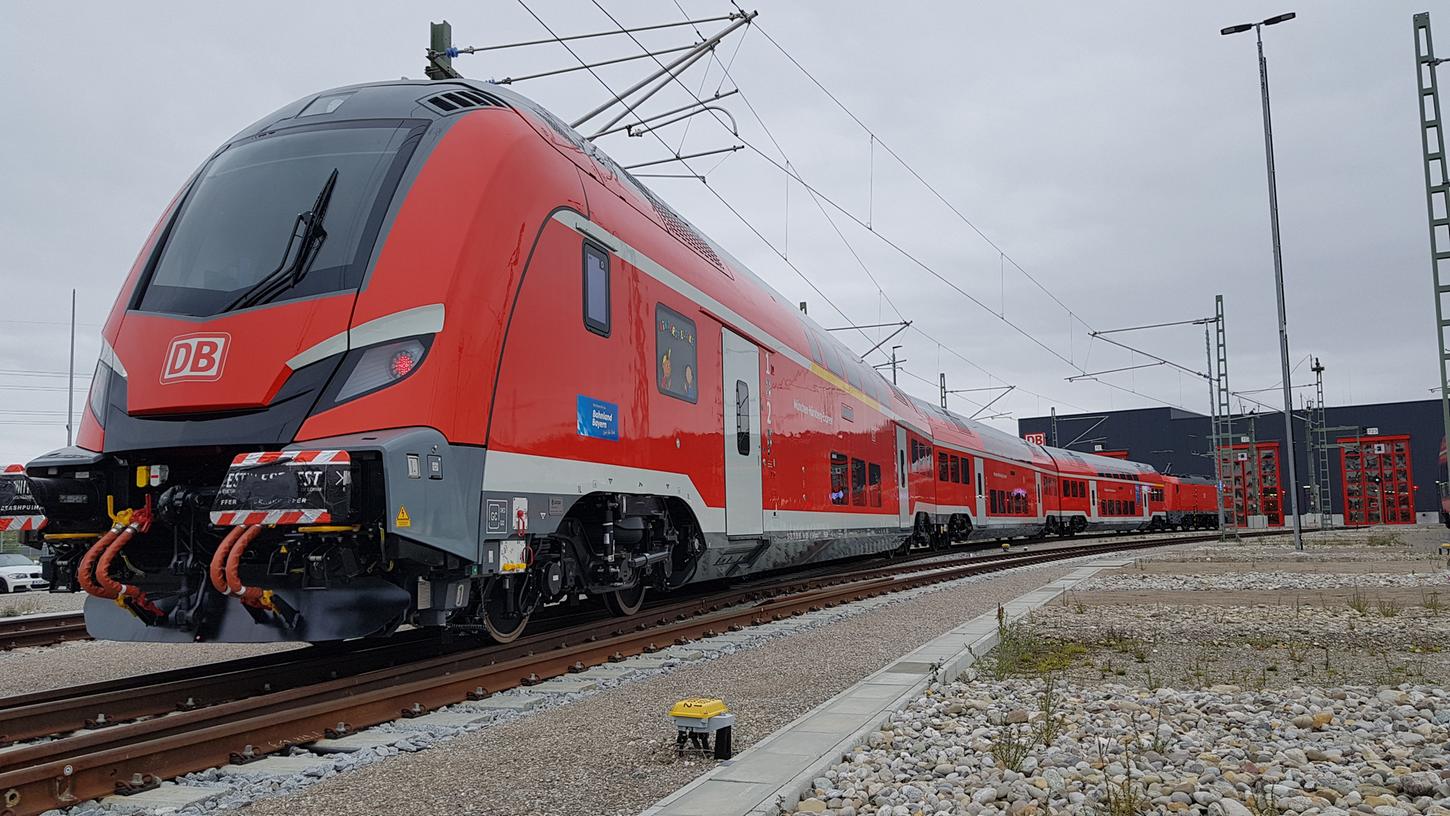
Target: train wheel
column 505, row 617
column 625, row 602
column 502, row 627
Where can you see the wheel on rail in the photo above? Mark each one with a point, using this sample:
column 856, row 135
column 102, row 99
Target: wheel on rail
column 625, row 602
column 506, row 606
column 501, row 626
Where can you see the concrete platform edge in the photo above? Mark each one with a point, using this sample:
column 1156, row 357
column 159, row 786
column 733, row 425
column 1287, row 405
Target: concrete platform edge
column 962, row 655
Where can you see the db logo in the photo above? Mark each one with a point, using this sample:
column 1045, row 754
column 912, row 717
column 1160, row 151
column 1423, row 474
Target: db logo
column 195, row 357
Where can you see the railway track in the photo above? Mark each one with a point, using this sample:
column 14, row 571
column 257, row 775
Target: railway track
column 49, row 629
column 41, row 630
column 239, row 710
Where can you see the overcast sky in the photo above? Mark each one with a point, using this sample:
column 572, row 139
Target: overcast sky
column 1112, row 150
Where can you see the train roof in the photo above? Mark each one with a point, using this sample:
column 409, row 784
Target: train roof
column 821, row 346
column 1092, row 464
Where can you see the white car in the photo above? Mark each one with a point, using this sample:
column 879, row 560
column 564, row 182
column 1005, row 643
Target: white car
column 19, row 573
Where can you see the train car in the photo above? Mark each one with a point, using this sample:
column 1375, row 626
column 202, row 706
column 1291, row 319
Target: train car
column 419, row 352
column 1100, row 493
column 1190, row 503
column 986, row 484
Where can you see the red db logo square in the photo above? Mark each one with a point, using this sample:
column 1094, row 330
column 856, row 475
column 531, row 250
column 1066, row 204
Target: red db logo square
column 195, row 357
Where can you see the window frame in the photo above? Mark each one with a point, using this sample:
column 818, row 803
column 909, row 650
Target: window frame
column 858, row 489
column 873, row 483
column 605, row 328
column 943, row 467
column 839, row 466
column 742, row 417
column 676, row 316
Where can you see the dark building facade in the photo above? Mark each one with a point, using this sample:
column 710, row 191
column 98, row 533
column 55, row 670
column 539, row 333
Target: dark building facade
column 1383, row 459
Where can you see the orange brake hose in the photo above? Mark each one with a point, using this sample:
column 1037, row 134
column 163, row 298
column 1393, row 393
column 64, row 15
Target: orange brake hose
column 218, row 571
column 86, row 572
column 251, row 596
column 110, row 588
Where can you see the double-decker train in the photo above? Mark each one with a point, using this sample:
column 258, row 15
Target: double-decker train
column 417, row 352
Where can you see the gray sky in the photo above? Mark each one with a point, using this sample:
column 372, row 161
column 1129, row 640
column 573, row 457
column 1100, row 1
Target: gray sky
column 1113, row 150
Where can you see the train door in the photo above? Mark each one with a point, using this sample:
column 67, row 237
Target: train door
column 1040, row 509
column 902, row 468
column 981, row 489
column 744, row 505
column 1092, row 499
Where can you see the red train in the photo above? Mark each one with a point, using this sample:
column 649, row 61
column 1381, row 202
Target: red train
column 418, row 352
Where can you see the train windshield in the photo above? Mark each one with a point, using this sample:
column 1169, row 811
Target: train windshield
column 236, row 226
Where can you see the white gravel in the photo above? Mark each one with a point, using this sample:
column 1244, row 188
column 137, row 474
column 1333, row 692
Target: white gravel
column 1241, row 581
column 980, row 748
column 1180, row 707
column 34, row 603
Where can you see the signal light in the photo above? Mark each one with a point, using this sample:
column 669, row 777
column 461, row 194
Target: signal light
column 403, row 362
column 382, row 365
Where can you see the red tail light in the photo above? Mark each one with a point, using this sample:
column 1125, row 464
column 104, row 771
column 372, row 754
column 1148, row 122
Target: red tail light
column 403, row 362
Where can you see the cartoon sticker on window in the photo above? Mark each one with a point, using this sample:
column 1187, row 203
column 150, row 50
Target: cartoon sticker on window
column 677, row 354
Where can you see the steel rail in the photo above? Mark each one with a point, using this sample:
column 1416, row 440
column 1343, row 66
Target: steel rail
column 41, row 630
column 64, row 772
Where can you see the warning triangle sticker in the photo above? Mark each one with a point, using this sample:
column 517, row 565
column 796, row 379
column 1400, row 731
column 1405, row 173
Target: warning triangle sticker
column 402, row 520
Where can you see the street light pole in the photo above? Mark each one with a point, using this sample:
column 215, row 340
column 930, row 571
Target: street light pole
column 1278, row 268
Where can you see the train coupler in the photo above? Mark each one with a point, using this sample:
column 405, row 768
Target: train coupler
column 145, row 611
column 271, row 604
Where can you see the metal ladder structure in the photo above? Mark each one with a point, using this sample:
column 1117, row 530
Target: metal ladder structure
column 1437, row 193
column 1223, row 433
column 1323, row 499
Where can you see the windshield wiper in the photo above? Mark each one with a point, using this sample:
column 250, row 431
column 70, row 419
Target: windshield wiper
column 307, row 230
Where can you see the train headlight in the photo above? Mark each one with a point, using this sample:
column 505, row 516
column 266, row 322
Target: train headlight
column 107, row 366
column 380, row 366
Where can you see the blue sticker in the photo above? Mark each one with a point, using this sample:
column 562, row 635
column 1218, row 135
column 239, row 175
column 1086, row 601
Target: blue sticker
column 597, row 418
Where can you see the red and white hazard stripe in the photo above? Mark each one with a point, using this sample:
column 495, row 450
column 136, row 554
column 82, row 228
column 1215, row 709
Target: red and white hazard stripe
column 13, row 523
column 304, row 457
column 228, row 518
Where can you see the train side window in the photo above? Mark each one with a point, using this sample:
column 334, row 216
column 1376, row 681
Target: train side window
column 902, row 456
column 742, row 417
column 596, row 289
column 838, row 478
column 943, row 467
column 873, row 483
column 858, row 482
column 676, row 352
column 815, row 346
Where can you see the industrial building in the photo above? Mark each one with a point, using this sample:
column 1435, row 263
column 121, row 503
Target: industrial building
column 1376, row 464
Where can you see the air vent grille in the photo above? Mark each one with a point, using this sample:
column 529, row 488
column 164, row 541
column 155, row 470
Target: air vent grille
column 681, row 229
column 463, row 99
